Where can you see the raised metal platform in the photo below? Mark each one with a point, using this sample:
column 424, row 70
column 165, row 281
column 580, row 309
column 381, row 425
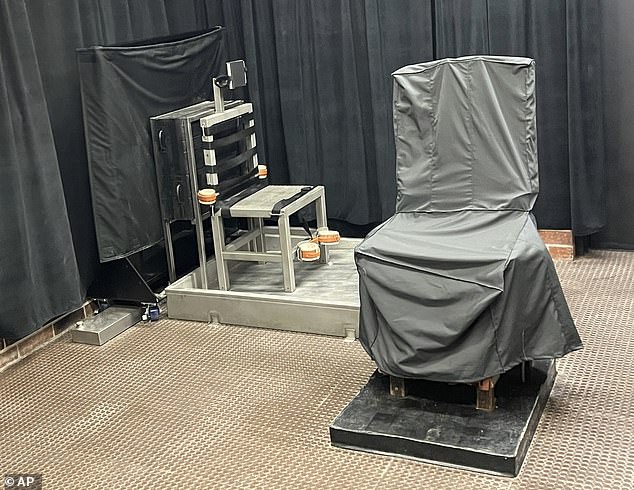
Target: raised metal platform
column 438, row 422
column 326, row 300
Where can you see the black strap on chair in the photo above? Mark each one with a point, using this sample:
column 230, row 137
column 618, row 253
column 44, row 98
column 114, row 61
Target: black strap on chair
column 223, row 166
column 279, row 205
column 227, row 140
column 224, row 205
column 228, row 187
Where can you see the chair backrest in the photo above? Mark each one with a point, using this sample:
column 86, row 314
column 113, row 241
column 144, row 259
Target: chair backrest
column 229, row 150
column 465, row 134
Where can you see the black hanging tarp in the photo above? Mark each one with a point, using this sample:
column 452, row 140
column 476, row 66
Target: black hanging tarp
column 122, row 87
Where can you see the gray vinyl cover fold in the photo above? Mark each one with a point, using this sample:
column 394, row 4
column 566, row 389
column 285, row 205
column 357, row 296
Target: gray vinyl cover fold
column 458, row 286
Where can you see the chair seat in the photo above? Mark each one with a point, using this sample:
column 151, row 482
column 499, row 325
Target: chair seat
column 261, row 203
column 459, row 296
column 280, row 201
column 464, row 245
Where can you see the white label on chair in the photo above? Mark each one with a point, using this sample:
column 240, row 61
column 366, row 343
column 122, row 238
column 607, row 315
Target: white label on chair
column 212, row 179
column 210, row 157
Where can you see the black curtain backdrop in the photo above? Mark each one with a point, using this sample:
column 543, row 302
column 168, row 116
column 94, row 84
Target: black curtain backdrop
column 39, row 278
column 618, row 86
column 43, row 254
column 319, row 75
column 320, row 79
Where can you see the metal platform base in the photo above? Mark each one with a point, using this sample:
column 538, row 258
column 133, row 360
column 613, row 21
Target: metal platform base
column 326, row 300
column 99, row 329
column 438, row 423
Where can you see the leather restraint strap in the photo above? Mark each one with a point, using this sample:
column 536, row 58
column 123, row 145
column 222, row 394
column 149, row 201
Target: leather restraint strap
column 224, row 205
column 279, row 205
column 227, row 140
column 224, row 165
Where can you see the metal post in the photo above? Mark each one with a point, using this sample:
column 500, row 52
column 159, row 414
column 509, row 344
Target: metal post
column 218, row 231
column 485, row 394
column 198, row 219
column 397, row 386
column 169, row 251
column 251, row 245
column 219, row 99
column 322, row 222
column 255, row 224
column 287, row 253
column 262, row 239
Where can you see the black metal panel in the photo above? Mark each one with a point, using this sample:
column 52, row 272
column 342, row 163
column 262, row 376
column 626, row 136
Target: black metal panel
column 176, row 137
column 173, row 135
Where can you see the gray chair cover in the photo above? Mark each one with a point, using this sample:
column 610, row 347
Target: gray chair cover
column 458, row 286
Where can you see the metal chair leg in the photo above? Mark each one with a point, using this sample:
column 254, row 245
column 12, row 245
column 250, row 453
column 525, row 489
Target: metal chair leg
column 261, row 240
column 397, row 386
column 169, row 251
column 485, row 394
column 322, row 222
column 287, row 253
column 218, row 231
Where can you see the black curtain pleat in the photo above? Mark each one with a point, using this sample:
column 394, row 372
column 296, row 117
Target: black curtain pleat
column 586, row 144
column 264, row 86
column 39, row 278
column 617, row 75
column 561, row 37
column 461, row 28
column 320, row 80
column 227, row 13
column 398, row 34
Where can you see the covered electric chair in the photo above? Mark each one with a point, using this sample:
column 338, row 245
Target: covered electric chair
column 458, row 286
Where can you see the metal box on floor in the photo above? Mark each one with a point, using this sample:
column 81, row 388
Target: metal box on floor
column 99, row 329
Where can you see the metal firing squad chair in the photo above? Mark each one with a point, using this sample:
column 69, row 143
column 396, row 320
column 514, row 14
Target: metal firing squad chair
column 458, row 286
column 235, row 180
column 207, row 166
column 237, row 191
